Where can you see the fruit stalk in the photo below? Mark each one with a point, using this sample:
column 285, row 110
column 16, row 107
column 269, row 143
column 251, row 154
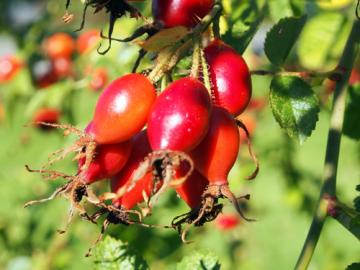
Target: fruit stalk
column 333, row 147
column 176, row 52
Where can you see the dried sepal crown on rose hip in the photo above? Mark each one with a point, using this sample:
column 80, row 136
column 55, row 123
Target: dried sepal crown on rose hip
column 127, row 99
column 145, row 140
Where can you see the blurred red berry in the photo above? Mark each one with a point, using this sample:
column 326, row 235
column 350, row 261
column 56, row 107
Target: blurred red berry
column 225, row 222
column 62, row 67
column 59, row 45
column 47, row 115
column 354, row 79
column 87, row 41
column 99, row 79
column 257, row 104
column 9, row 66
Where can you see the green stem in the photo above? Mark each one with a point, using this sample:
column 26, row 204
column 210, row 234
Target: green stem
column 332, row 150
column 216, row 26
column 196, row 59
column 205, row 73
column 334, row 74
column 165, row 81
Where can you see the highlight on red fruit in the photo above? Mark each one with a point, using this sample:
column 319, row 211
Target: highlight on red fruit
column 226, row 222
column 179, row 118
column 9, row 66
column 187, row 13
column 59, row 45
column 230, row 77
column 87, row 41
column 123, row 108
column 141, row 149
column 217, row 153
column 108, row 160
column 46, row 115
column 98, row 79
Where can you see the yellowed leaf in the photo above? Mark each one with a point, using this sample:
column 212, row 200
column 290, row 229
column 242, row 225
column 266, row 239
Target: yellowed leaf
column 164, row 38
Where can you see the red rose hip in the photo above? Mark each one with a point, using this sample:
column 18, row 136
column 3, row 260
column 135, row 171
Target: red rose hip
column 122, row 109
column 217, row 153
column 179, row 118
column 192, row 189
column 108, row 160
column 59, row 45
column 140, row 151
column 230, row 77
column 180, row 12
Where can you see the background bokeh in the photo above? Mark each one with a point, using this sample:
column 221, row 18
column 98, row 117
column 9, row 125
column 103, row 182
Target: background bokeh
column 282, row 196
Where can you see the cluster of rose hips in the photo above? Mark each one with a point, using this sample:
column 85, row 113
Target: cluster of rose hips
column 60, row 51
column 145, row 140
column 56, row 63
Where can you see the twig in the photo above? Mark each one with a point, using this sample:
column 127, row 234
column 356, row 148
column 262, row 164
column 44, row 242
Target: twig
column 346, row 216
column 332, row 150
column 335, row 75
column 177, row 48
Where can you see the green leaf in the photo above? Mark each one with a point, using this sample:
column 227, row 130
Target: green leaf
column 243, row 22
column 294, row 105
column 281, row 38
column 352, row 113
column 357, row 200
column 113, row 254
column 354, row 266
column 320, row 39
column 357, row 204
column 280, row 9
column 199, row 261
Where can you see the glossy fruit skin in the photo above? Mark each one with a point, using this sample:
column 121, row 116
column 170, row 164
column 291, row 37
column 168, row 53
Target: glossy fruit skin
column 192, row 189
column 46, row 115
column 187, row 13
column 141, row 149
column 87, row 41
column 218, row 151
column 59, row 45
column 108, row 160
column 135, row 196
column 9, row 66
column 230, row 77
column 179, row 118
column 122, row 109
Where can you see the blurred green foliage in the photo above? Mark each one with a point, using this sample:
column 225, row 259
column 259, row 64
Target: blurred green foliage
column 282, row 196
